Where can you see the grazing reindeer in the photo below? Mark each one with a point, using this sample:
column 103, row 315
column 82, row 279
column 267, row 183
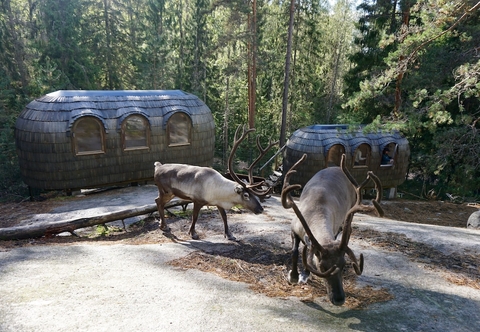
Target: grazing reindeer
column 205, row 186
column 327, row 205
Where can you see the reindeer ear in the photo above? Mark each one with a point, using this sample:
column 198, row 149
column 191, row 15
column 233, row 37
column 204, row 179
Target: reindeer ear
column 320, row 250
column 238, row 189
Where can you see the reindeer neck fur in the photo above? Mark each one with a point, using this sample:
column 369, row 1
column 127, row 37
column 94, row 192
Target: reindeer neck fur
column 180, row 180
column 324, row 203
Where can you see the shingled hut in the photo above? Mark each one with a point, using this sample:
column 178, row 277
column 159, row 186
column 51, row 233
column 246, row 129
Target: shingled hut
column 70, row 140
column 325, row 144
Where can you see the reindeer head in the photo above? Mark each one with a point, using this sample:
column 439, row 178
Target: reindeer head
column 248, row 199
column 328, row 260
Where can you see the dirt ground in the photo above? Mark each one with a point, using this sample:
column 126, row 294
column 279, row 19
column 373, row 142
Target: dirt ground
column 247, row 263
column 423, row 212
column 430, row 212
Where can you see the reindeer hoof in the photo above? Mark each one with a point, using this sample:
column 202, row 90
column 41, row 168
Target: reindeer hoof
column 195, row 236
column 164, row 228
column 292, row 278
column 231, row 237
column 303, row 278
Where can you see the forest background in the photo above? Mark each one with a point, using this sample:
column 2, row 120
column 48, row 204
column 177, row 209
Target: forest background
column 409, row 65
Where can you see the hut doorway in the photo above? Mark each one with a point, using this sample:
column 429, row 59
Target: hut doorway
column 334, row 156
column 362, row 155
column 389, row 153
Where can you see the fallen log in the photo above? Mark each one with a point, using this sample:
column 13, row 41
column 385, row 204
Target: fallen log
column 56, row 227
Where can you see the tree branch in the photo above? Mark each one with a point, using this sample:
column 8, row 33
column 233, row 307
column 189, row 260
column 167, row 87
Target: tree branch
column 415, row 51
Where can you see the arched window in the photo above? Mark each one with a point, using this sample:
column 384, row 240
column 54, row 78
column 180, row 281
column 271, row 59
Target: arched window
column 135, row 133
column 179, row 129
column 88, row 136
column 388, row 155
column 334, row 156
column 361, row 157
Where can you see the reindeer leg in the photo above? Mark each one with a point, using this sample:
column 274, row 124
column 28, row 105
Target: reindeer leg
column 224, row 218
column 161, row 211
column 196, row 212
column 293, row 273
column 163, row 198
column 306, row 273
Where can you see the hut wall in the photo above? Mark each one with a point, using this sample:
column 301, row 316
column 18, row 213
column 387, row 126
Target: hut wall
column 45, row 133
column 316, row 141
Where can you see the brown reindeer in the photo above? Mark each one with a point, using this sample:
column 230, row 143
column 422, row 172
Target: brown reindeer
column 326, row 207
column 205, row 186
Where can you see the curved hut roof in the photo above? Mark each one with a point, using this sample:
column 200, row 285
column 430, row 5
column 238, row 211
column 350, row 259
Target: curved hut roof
column 324, row 145
column 85, row 139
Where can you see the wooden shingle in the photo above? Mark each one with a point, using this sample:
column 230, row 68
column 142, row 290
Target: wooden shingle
column 317, row 140
column 45, row 132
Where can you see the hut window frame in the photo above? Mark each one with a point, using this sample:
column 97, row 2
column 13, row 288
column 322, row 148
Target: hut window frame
column 128, row 143
column 89, row 137
column 362, row 156
column 176, row 134
column 393, row 151
column 334, row 155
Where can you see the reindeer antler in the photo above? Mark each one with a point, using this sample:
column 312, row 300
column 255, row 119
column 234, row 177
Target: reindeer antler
column 251, row 185
column 307, row 260
column 260, row 193
column 359, row 207
column 236, row 143
column 288, row 202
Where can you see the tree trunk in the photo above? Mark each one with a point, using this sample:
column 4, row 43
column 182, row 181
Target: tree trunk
column 252, row 65
column 226, row 118
column 108, row 47
column 56, row 227
column 336, row 65
column 398, row 84
column 287, row 74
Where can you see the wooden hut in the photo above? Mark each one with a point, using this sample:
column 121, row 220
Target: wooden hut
column 325, row 144
column 70, row 140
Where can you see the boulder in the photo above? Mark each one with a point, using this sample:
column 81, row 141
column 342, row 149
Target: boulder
column 474, row 220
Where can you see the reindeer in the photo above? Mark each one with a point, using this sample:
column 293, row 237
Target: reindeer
column 326, row 207
column 205, row 186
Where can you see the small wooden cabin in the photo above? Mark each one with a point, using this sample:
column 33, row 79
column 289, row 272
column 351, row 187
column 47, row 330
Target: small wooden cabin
column 325, row 144
column 70, row 140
